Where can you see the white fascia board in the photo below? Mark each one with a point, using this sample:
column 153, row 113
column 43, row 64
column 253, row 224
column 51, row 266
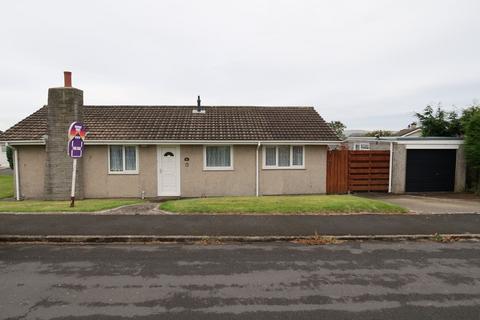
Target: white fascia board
column 431, row 142
column 432, row 146
column 25, row 142
column 368, row 139
column 210, row 142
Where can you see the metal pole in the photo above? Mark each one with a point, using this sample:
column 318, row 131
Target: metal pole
column 390, row 168
column 256, row 171
column 17, row 174
column 74, row 175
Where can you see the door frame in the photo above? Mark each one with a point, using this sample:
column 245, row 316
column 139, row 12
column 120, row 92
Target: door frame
column 159, row 164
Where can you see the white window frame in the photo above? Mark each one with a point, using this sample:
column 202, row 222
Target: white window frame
column 276, row 166
column 360, row 146
column 217, row 168
column 137, row 156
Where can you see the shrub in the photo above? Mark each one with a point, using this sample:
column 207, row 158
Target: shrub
column 10, row 156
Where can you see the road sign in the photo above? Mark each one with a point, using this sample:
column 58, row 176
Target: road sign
column 76, row 138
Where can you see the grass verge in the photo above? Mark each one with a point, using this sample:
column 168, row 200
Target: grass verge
column 6, row 187
column 89, row 205
column 318, row 204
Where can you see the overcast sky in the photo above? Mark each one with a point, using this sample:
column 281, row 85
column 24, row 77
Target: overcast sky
column 369, row 64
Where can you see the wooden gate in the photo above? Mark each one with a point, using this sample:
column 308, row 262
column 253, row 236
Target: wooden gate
column 337, row 171
column 357, row 171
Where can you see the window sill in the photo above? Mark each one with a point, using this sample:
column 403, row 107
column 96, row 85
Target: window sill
column 283, row 168
column 218, row 169
column 123, row 173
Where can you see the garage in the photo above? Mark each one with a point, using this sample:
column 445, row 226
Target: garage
column 430, row 170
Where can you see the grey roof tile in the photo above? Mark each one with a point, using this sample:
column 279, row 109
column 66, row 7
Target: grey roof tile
column 180, row 123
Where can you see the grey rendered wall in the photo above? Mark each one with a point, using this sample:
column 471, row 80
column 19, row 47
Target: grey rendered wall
column 311, row 180
column 460, row 170
column 99, row 184
column 31, row 167
column 399, row 167
column 197, row 182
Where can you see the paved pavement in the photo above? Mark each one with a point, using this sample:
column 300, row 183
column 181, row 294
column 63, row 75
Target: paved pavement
column 353, row 280
column 6, row 171
column 234, row 225
column 433, row 202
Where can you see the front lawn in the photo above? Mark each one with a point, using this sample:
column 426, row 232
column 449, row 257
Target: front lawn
column 89, row 205
column 282, row 205
column 6, row 187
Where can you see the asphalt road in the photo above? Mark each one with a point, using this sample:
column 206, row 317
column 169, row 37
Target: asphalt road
column 353, row 280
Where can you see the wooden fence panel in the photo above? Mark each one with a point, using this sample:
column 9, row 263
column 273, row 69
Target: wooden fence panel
column 357, row 171
column 368, row 171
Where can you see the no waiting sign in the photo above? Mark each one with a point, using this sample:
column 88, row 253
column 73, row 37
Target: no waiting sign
column 76, row 138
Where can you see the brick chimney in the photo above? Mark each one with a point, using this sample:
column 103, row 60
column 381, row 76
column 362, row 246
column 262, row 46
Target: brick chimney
column 65, row 105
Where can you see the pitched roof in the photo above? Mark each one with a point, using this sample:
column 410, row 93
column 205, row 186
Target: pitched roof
column 180, row 123
column 407, row 131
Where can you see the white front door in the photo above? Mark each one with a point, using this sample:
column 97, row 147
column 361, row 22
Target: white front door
column 168, row 158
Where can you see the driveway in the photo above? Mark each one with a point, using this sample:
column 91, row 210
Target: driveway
column 433, row 202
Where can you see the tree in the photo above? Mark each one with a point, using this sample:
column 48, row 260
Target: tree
column 10, row 156
column 472, row 148
column 339, row 128
column 467, row 113
column 472, row 141
column 439, row 123
column 379, row 133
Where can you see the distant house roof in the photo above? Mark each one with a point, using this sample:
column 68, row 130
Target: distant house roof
column 180, row 123
column 407, row 132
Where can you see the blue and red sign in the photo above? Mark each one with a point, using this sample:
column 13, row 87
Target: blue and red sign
column 76, row 138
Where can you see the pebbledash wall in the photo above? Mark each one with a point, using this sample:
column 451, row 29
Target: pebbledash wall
column 100, row 184
column 31, row 168
column 195, row 181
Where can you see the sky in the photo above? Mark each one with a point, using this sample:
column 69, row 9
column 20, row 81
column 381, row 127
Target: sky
column 370, row 64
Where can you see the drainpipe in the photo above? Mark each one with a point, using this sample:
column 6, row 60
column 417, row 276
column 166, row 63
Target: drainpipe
column 390, row 169
column 17, row 177
column 256, row 170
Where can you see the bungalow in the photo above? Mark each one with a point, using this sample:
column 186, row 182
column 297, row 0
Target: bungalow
column 362, row 142
column 163, row 151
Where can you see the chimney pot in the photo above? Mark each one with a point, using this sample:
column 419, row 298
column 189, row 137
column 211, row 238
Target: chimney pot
column 67, row 76
column 199, row 107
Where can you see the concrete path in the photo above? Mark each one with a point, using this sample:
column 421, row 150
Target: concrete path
column 231, row 225
column 352, row 280
column 5, row 171
column 433, row 203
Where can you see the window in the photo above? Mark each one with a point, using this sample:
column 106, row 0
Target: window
column 297, row 155
column 283, row 157
column 270, row 156
column 361, row 146
column 218, row 158
column 122, row 159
